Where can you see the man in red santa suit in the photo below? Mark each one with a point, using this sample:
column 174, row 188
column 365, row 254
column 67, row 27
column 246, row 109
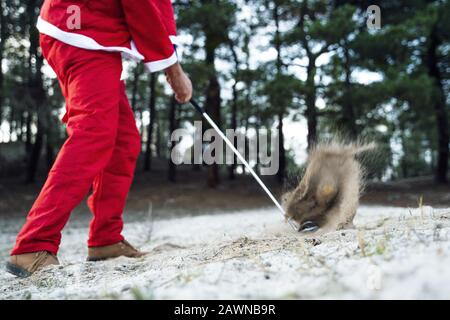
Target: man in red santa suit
column 84, row 41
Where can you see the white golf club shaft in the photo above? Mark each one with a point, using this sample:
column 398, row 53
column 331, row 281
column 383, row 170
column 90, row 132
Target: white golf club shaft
column 246, row 164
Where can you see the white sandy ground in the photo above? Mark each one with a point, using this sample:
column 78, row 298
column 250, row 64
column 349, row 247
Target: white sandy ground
column 396, row 253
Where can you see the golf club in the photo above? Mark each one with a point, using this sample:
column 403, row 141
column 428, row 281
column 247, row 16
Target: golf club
column 242, row 159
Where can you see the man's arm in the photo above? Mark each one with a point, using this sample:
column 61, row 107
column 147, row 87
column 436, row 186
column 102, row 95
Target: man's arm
column 149, row 34
column 179, row 82
column 175, row 75
column 150, row 23
column 167, row 16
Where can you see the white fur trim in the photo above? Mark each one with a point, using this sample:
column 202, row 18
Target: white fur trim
column 82, row 41
column 159, row 65
column 175, row 40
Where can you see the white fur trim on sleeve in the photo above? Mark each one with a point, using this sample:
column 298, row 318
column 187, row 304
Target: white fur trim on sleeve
column 175, row 40
column 159, row 65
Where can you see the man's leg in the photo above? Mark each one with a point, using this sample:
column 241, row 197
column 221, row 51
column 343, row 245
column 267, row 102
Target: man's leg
column 92, row 82
column 111, row 186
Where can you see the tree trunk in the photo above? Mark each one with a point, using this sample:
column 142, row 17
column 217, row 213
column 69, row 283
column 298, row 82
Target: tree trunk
column 135, row 85
column 158, row 137
column 311, row 112
column 12, row 116
column 232, row 167
column 282, row 168
column 245, row 119
column 172, row 173
column 20, row 136
column 140, row 116
column 348, row 109
column 150, row 128
column 50, row 153
column 213, row 109
column 33, row 160
column 36, row 91
column 28, row 135
column 440, row 106
column 3, row 36
column 212, row 106
column 257, row 128
column 279, row 65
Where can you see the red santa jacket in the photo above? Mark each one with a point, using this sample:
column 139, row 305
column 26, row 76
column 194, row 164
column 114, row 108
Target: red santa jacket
column 140, row 29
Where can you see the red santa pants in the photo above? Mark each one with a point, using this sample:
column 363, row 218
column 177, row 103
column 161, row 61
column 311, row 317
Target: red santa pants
column 101, row 150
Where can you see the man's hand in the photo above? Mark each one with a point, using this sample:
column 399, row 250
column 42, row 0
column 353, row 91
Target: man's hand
column 179, row 82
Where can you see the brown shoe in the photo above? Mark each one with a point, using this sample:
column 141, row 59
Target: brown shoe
column 24, row 265
column 123, row 248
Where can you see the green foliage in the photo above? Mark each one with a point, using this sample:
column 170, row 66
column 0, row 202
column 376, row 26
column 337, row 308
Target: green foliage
column 209, row 18
column 280, row 92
